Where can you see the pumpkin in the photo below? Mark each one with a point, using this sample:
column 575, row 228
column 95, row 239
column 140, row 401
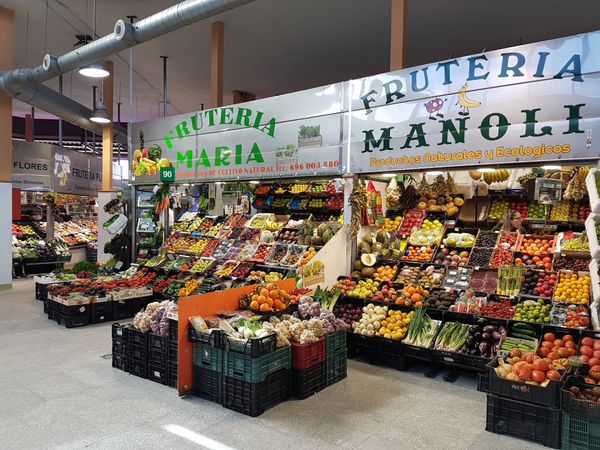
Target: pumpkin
column 458, row 201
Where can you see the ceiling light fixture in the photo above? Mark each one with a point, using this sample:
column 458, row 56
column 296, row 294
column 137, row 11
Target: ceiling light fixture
column 434, row 172
column 254, row 182
column 486, row 169
column 100, row 115
column 551, row 167
column 388, row 175
column 94, row 70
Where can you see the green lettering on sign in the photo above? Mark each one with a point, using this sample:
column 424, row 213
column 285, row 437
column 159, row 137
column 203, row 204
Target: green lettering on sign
column 167, row 174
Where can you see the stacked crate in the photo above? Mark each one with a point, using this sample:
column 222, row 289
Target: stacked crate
column 336, row 361
column 207, row 365
column 580, row 418
column 308, row 368
column 172, row 352
column 120, row 357
column 158, row 358
column 137, row 351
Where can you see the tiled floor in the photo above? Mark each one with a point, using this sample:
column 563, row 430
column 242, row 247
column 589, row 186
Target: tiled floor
column 57, row 390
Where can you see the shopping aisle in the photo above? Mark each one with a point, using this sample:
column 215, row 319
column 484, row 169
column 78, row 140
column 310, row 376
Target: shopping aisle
column 58, row 390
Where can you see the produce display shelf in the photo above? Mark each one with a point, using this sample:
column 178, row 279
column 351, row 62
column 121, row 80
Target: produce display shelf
column 590, row 227
column 524, row 420
column 590, row 182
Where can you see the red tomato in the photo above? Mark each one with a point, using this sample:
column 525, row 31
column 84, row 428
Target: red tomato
column 563, row 352
column 538, row 376
column 587, row 351
column 589, row 380
column 558, row 343
column 570, row 344
column 553, row 355
column 567, row 337
column 572, row 351
column 541, row 365
column 585, row 358
column 547, row 344
column 594, row 361
column 587, row 341
column 515, row 352
column 549, row 337
column 596, row 345
column 595, row 368
column 553, row 375
column 524, row 373
column 596, row 353
column 543, row 352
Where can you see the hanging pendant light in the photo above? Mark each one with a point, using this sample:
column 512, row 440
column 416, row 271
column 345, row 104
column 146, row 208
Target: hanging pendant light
column 94, row 70
column 100, row 115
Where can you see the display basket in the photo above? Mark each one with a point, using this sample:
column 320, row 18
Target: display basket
column 256, row 370
column 213, row 337
column 252, row 347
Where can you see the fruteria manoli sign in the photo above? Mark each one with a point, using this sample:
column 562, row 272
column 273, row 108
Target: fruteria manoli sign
column 296, row 134
column 531, row 103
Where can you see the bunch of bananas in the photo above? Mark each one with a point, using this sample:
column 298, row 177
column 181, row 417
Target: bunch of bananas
column 497, row 176
column 273, row 226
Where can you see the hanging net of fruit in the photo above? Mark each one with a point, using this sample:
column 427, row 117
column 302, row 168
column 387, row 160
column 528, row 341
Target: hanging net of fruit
column 393, row 192
column 439, row 185
column 424, row 189
column 450, row 184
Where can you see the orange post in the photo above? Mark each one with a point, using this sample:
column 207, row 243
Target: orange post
column 206, row 305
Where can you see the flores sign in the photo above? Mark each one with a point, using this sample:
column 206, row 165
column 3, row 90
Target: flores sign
column 263, row 139
column 535, row 102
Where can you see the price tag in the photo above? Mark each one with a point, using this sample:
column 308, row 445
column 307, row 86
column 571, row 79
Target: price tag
column 118, row 265
column 167, row 174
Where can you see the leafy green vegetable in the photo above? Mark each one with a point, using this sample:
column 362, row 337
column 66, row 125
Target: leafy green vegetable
column 155, row 152
column 84, row 266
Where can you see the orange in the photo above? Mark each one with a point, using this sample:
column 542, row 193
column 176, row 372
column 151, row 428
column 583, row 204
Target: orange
column 269, row 302
column 254, row 305
column 255, row 298
column 262, row 299
column 264, row 292
column 264, row 307
column 274, row 294
column 270, row 286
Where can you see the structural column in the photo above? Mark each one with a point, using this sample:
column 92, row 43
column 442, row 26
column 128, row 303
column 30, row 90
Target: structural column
column 7, row 20
column 398, row 17
column 216, row 65
column 107, row 193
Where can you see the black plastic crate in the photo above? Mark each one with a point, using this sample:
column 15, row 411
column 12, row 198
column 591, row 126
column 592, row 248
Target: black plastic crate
column 335, row 342
column 140, row 303
column 138, row 367
column 580, row 433
column 483, row 382
column 306, row 382
column 159, row 374
column 120, row 331
column 41, row 291
column 207, row 384
column 461, row 360
column 546, row 396
column 46, row 305
column 137, row 346
column 158, row 358
column 413, row 351
column 253, row 399
column 119, row 347
column 577, row 407
column 172, row 373
column 101, row 312
column 172, row 352
column 173, row 330
column 72, row 316
column 214, row 338
column 157, row 342
column 336, row 368
column 524, row 420
column 120, row 362
column 252, row 347
column 122, row 309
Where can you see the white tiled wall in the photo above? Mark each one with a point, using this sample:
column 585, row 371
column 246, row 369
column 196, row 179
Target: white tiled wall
column 5, row 234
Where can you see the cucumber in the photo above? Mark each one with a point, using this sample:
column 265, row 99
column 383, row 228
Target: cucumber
column 529, row 333
column 523, row 326
column 521, row 336
column 508, row 346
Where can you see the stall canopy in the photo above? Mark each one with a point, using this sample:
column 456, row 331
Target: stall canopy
column 533, row 103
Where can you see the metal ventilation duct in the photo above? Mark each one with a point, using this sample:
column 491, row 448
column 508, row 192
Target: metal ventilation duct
column 24, row 84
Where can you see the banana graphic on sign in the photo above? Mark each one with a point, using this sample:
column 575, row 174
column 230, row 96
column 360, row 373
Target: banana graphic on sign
column 464, row 102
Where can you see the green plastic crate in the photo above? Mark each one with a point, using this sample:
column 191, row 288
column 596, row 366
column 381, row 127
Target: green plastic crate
column 208, row 357
column 335, row 343
column 580, row 432
column 336, row 367
column 255, row 370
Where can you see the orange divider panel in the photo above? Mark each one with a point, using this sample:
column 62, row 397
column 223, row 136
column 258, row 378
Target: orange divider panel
column 207, row 305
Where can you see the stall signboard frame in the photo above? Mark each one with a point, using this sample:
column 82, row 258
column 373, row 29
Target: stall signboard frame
column 32, row 166
column 529, row 104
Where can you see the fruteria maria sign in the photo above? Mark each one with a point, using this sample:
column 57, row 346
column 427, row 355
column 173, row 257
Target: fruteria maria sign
column 531, row 103
column 292, row 135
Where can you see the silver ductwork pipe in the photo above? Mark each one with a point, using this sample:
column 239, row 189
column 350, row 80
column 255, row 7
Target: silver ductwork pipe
column 24, row 84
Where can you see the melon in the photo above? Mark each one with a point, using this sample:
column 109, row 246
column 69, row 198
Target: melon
column 422, row 205
column 358, row 265
column 458, row 201
column 368, row 259
column 475, row 174
column 368, row 272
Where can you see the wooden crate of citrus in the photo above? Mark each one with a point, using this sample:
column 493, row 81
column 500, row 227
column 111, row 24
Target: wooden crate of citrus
column 266, row 298
column 573, row 287
column 385, row 273
column 395, row 325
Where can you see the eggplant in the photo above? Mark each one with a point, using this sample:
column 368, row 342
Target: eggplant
column 496, row 336
column 477, row 336
column 502, row 330
column 490, row 328
column 474, row 352
column 486, row 336
column 475, row 329
column 483, row 347
column 470, row 342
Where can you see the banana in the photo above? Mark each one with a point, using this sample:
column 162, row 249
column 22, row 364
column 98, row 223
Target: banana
column 487, row 177
column 464, row 101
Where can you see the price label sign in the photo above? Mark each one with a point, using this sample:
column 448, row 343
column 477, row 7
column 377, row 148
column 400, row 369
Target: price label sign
column 167, row 174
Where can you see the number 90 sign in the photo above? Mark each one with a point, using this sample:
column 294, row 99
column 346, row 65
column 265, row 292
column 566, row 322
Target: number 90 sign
column 167, row 174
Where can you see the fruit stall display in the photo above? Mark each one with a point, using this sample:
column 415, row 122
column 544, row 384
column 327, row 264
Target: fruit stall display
column 315, row 196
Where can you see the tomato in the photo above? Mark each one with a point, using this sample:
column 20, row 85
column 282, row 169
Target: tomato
column 524, row 372
column 538, row 376
column 587, row 351
column 585, row 358
column 515, row 352
column 572, row 351
column 595, row 368
column 597, row 353
column 553, row 375
column 567, row 337
column 563, row 352
column 596, row 345
column 587, row 341
column 589, row 380
column 594, row 361
column 543, row 352
column 547, row 344
column 570, row 344
column 558, row 343
column 553, row 356
column 549, row 337
column 541, row 365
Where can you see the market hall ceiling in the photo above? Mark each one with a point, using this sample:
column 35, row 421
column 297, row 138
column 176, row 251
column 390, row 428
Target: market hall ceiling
column 279, row 46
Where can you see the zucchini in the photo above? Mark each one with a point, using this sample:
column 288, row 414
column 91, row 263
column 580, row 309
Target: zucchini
column 521, row 335
column 524, row 332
